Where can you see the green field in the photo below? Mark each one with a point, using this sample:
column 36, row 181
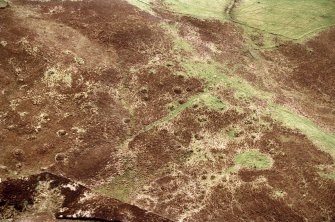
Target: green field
column 289, row 19
column 210, row 9
column 292, row 19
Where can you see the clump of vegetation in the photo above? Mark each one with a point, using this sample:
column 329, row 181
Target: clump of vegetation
column 213, row 102
column 232, row 133
column 279, row 194
column 253, row 159
column 54, row 76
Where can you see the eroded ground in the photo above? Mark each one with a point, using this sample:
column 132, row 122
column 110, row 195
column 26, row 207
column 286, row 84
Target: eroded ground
column 154, row 111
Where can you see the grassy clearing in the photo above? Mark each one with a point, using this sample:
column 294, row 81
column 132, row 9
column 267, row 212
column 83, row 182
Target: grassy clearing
column 121, row 187
column 319, row 136
column 143, row 5
column 209, row 9
column 293, row 19
column 253, row 159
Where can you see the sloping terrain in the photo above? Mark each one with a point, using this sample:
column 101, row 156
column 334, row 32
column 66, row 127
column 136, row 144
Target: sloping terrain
column 167, row 110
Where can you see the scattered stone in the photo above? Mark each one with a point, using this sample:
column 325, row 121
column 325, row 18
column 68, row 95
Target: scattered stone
column 146, row 98
column 248, row 122
column 3, row 43
column 171, row 107
column 60, row 157
column 126, row 120
column 198, row 137
column 18, row 152
column 144, row 90
column 169, row 64
column 61, row 132
column 3, row 168
column 43, row 168
column 202, row 119
column 177, row 90
column 32, row 137
column 181, row 101
column 79, row 60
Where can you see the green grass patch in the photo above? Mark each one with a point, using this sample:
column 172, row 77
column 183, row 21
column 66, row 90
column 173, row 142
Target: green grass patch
column 143, row 5
column 253, row 159
column 278, row 194
column 203, row 99
column 330, row 176
column 232, row 133
column 180, row 44
column 212, row 102
column 321, row 138
column 215, row 74
column 292, row 19
column 209, row 9
column 327, row 171
column 121, row 187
